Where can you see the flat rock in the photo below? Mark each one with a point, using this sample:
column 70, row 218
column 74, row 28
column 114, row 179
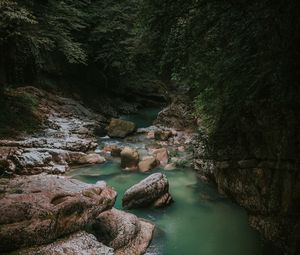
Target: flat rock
column 147, row 192
column 123, row 231
column 80, row 243
column 92, row 158
column 38, row 209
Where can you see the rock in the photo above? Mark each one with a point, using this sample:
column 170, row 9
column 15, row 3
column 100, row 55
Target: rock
column 80, row 158
column 148, row 164
column 123, row 231
column 181, row 148
column 170, row 167
column 179, row 114
column 93, row 158
column 163, row 201
column 67, row 126
column 150, row 192
column 116, row 152
column 76, row 244
column 129, row 158
column 7, row 167
column 113, row 149
column 150, row 135
column 120, row 128
column 31, row 159
column 161, row 155
column 162, row 135
column 38, row 209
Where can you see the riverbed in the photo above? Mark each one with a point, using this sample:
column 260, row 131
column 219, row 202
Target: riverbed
column 199, row 222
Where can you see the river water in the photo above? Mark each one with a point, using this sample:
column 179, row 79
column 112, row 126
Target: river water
column 199, row 222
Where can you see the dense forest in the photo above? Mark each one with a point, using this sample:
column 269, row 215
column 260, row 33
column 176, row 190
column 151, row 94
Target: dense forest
column 239, row 59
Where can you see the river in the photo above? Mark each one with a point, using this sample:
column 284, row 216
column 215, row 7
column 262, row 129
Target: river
column 199, row 222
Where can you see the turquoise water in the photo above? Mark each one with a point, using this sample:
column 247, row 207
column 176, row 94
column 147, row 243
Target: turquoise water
column 199, row 222
column 143, row 118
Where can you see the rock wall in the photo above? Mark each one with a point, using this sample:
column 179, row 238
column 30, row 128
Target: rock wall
column 256, row 165
column 268, row 189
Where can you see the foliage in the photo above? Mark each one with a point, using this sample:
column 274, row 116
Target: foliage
column 17, row 113
column 241, row 59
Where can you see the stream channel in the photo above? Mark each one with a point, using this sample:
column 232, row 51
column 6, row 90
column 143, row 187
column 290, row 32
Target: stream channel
column 199, row 222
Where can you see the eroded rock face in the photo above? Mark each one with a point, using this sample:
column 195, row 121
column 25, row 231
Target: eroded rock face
column 150, row 192
column 129, row 158
column 148, row 164
column 38, row 209
column 68, row 127
column 123, row 231
column 120, row 128
column 178, row 114
column 80, row 243
column 267, row 188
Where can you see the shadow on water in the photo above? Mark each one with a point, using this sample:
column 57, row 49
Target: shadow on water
column 200, row 221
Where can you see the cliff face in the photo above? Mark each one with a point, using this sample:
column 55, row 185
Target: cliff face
column 268, row 188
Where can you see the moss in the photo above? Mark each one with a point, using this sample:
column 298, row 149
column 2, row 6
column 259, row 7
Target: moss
column 18, row 114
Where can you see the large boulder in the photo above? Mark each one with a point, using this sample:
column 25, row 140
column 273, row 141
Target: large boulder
column 75, row 244
column 124, row 232
column 129, row 158
column 150, row 192
column 120, row 128
column 39, row 209
column 148, row 164
column 113, row 149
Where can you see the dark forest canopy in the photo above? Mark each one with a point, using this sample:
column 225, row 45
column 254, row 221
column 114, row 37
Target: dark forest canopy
column 241, row 58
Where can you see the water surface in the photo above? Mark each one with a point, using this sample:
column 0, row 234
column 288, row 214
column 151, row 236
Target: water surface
column 199, row 222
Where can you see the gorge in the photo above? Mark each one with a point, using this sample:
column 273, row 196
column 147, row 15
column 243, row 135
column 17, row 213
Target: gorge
column 149, row 127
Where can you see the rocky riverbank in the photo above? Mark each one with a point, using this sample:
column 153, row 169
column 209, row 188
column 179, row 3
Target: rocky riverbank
column 66, row 138
column 267, row 188
column 46, row 213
